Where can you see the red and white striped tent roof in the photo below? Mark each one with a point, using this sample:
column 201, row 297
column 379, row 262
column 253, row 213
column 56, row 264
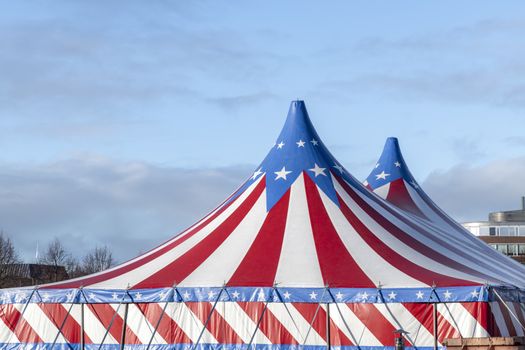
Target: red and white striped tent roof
column 303, row 224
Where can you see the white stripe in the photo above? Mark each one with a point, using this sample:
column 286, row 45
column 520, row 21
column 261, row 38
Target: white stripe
column 40, row 323
column 144, row 271
column 298, row 263
column 498, row 317
column 139, row 325
column 96, row 330
column 400, row 247
column 373, row 265
column 401, row 318
column 222, row 263
column 383, row 190
column 290, row 323
column 462, row 320
column 351, row 326
column 189, row 323
column 241, row 323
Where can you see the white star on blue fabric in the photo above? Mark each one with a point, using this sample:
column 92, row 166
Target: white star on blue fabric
column 186, row 295
column 317, row 170
column 475, row 294
column 382, row 175
column 340, row 168
column 281, row 174
column 397, row 164
column 211, row 294
column 314, row 142
column 339, row 296
column 280, row 145
column 286, row 295
column 257, row 173
column 419, row 294
column 392, row 295
column 313, row 295
column 235, row 294
column 138, row 296
column 300, row 143
column 447, row 295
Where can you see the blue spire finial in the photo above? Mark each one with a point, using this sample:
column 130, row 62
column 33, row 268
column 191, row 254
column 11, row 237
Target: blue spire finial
column 298, row 149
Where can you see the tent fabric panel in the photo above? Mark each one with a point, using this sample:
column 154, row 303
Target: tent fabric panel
column 290, row 324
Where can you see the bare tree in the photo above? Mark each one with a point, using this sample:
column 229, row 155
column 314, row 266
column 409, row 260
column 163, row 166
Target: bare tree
column 57, row 257
column 8, row 257
column 55, row 254
column 97, row 260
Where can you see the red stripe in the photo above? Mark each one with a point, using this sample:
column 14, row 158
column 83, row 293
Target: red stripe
column 398, row 261
column 18, row 325
column 270, row 325
column 217, row 325
column 338, row 267
column 145, row 257
column 493, row 327
column 442, row 242
column 105, row 313
column 259, row 265
column 480, row 311
column 421, row 274
column 374, row 321
column 57, row 313
column 168, row 329
column 399, row 196
column 519, row 313
column 183, row 266
column 308, row 311
column 423, row 313
column 508, row 320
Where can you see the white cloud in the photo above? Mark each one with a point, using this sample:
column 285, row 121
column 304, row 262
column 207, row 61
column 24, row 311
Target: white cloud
column 90, row 201
column 471, row 192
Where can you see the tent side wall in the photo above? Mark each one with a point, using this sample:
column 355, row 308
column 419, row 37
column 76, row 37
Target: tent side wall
column 238, row 324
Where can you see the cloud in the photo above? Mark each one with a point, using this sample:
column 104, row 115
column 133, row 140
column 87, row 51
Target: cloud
column 236, row 102
column 469, row 193
column 90, row 201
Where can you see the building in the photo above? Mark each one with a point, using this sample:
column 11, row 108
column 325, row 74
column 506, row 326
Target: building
column 504, row 231
column 20, row 275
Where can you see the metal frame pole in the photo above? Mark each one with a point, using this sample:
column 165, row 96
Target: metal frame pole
column 435, row 324
column 158, row 321
column 328, row 333
column 82, row 329
column 208, row 319
column 124, row 326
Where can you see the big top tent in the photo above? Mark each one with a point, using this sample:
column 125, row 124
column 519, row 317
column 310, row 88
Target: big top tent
column 301, row 255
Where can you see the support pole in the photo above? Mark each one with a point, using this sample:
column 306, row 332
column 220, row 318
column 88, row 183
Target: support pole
column 328, row 335
column 124, row 326
column 208, row 319
column 158, row 321
column 435, row 324
column 62, row 327
column 82, row 329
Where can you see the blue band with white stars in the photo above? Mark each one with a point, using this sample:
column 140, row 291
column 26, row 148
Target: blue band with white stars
column 264, row 294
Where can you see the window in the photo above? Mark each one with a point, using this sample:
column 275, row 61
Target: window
column 521, row 249
column 502, row 248
column 492, row 231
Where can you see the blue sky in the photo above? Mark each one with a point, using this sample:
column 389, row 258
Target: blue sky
column 115, row 112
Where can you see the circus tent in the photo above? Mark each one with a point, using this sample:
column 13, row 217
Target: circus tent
column 301, row 255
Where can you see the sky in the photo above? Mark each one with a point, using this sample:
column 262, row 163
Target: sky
column 123, row 122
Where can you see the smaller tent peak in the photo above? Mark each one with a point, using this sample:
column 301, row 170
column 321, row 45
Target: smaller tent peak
column 390, row 167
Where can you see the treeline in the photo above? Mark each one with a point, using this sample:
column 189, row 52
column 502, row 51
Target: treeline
column 56, row 255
